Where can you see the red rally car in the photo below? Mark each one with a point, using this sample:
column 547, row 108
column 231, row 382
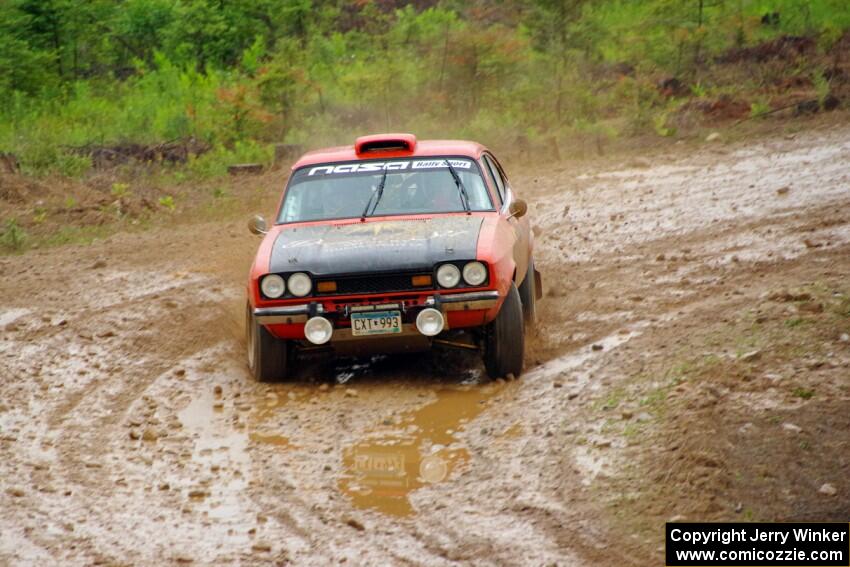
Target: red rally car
column 392, row 245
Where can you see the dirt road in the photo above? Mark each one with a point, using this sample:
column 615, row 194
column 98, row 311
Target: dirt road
column 131, row 433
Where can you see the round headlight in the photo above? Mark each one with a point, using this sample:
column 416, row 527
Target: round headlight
column 299, row 284
column 474, row 273
column 448, row 275
column 272, row 286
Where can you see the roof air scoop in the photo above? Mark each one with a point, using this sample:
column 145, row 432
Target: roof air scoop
column 390, row 143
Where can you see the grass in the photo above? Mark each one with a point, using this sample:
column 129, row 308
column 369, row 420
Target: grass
column 15, row 241
column 167, row 202
column 120, row 190
column 803, row 393
column 655, row 399
column 76, row 235
column 612, row 401
column 13, row 238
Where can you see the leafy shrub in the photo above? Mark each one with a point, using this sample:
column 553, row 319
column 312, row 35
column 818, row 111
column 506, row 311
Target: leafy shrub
column 120, row 190
column 759, row 108
column 822, row 87
column 13, row 237
column 167, row 202
column 661, row 126
column 214, row 163
column 39, row 215
column 242, row 77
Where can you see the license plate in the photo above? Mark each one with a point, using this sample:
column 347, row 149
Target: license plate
column 375, row 323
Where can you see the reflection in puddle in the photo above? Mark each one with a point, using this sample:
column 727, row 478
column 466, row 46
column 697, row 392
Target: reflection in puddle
column 404, row 453
column 416, row 449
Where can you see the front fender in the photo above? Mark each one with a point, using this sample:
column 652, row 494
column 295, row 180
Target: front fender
column 495, row 246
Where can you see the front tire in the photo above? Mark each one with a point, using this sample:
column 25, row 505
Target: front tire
column 268, row 356
column 504, row 342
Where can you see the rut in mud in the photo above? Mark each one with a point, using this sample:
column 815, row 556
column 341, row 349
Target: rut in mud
column 130, row 431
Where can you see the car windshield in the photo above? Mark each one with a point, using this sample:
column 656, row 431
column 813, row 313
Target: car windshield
column 412, row 186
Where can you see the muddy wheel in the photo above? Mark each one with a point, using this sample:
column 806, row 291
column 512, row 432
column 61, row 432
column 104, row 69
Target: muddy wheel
column 504, row 341
column 528, row 295
column 268, row 357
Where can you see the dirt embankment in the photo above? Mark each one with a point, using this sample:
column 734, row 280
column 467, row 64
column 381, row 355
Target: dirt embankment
column 691, row 361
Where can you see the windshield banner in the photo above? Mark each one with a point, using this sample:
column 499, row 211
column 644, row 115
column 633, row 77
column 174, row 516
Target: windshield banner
column 373, row 166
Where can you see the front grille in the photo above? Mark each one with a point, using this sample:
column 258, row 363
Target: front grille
column 374, row 283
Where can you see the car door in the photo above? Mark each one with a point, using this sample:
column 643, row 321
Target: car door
column 520, row 226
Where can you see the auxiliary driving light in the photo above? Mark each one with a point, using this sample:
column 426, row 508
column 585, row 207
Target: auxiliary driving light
column 318, row 330
column 430, row 322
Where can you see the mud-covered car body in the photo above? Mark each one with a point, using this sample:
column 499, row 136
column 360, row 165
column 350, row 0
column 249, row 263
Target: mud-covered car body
column 372, row 274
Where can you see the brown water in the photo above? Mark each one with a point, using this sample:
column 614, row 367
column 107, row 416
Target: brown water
column 401, row 454
column 419, row 448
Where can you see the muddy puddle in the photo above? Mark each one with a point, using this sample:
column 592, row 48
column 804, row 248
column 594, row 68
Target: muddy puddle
column 419, row 448
column 399, row 454
column 381, row 462
column 222, row 451
column 384, row 456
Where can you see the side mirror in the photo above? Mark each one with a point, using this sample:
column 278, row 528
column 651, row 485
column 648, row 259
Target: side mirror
column 518, row 208
column 257, row 225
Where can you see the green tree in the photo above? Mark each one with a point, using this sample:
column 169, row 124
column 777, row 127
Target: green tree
column 23, row 67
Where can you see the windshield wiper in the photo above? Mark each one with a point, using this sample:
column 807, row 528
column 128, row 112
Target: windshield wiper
column 378, row 192
column 463, row 196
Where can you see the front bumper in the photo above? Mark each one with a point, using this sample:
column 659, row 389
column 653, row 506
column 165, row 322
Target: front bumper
column 290, row 314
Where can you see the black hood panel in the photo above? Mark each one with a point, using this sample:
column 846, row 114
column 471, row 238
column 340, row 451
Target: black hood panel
column 379, row 246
